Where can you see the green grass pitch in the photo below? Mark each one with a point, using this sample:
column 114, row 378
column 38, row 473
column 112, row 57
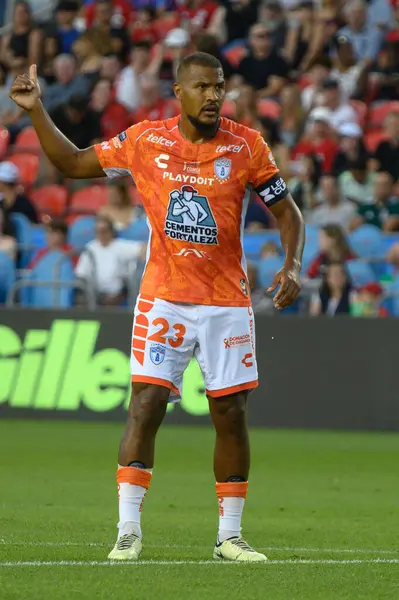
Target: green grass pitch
column 324, row 505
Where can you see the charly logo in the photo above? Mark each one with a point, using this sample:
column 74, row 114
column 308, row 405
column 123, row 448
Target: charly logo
column 189, row 217
column 222, row 168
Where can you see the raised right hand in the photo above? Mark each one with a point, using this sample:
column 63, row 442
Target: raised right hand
column 25, row 90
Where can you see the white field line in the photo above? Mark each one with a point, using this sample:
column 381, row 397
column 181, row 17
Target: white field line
column 182, row 547
column 98, row 563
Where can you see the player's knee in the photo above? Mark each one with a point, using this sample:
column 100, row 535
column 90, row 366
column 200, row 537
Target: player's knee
column 232, row 414
column 148, row 404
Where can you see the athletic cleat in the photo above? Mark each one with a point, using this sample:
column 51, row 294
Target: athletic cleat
column 128, row 547
column 236, row 549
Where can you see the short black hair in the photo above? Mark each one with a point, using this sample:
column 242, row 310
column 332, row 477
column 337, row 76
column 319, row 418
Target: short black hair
column 58, row 225
column 200, row 59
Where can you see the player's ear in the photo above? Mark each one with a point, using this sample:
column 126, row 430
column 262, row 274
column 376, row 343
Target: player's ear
column 177, row 90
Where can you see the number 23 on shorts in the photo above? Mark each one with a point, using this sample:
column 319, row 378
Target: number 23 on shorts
column 140, row 333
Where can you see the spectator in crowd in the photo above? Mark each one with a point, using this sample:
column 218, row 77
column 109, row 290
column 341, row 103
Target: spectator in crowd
column 143, row 28
column 312, row 95
column 292, row 118
column 246, row 108
column 15, row 201
column 93, row 11
column 383, row 209
column 263, row 68
column 87, row 50
column 119, row 207
column 268, row 129
column 357, row 183
column 380, row 14
column 351, row 74
column 387, row 153
column 78, row 122
column 318, row 139
column 22, row 45
column 341, row 113
column 113, row 117
column 268, row 250
column 68, row 83
column 62, row 29
column 388, row 73
column 272, row 12
column 111, row 67
column 335, row 294
column 261, row 303
column 107, row 262
column 177, row 44
column 364, row 36
column 196, row 15
column 206, row 42
column 366, row 302
column 334, row 247
column 128, row 84
column 232, row 20
column 8, row 243
column 56, row 236
column 298, row 41
column 352, row 148
column 110, row 29
column 305, row 185
column 333, row 210
column 10, row 114
column 152, row 106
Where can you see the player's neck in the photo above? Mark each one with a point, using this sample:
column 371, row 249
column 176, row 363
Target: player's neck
column 193, row 134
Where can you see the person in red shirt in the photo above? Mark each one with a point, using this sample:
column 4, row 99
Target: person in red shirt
column 153, row 107
column 121, row 12
column 57, row 232
column 114, row 117
column 318, row 140
column 333, row 248
column 196, row 15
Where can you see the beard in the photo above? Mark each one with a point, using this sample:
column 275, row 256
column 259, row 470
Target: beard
column 206, row 129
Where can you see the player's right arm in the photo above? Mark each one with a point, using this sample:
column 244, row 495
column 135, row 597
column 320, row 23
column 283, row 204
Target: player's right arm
column 70, row 160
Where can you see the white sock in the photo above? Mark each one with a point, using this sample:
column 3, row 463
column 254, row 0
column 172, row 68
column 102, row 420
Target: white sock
column 131, row 498
column 230, row 513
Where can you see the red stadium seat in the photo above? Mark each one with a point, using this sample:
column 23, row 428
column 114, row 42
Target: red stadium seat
column 378, row 113
column 361, row 111
column 50, row 199
column 269, row 108
column 373, row 138
column 89, row 200
column 27, row 140
column 235, row 53
column 28, row 165
column 4, row 141
column 229, row 109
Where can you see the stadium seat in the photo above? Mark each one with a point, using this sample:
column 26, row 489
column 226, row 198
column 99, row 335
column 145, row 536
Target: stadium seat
column 50, row 199
column 7, row 275
column 235, row 51
column 229, row 109
column 82, row 231
column 23, row 233
column 361, row 111
column 136, row 231
column 269, row 108
column 367, row 242
column 27, row 140
column 389, row 240
column 28, row 165
column 360, row 272
column 379, row 112
column 54, row 266
column 253, row 242
column 89, row 200
column 4, row 141
column 393, row 297
column 373, row 138
column 267, row 269
column 38, row 237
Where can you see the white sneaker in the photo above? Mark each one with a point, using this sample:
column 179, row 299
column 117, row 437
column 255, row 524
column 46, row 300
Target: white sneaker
column 128, row 547
column 237, row 549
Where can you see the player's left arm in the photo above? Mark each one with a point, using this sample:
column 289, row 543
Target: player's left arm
column 268, row 183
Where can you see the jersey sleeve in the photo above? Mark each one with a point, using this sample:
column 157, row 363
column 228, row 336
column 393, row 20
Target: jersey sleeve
column 264, row 175
column 116, row 155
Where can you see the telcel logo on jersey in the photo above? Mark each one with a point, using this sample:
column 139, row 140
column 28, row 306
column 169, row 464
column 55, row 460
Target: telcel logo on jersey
column 189, row 217
column 158, row 139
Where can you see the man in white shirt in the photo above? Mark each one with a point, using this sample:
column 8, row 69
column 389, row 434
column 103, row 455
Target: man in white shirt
column 334, row 210
column 341, row 112
column 128, row 83
column 107, row 263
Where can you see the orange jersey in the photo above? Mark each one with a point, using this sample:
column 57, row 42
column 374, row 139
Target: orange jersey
column 195, row 197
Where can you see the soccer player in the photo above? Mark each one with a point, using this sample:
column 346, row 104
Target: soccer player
column 193, row 172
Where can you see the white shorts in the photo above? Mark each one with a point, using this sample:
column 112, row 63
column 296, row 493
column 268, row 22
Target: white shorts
column 167, row 335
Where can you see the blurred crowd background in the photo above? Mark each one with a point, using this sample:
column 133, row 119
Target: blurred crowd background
column 319, row 80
